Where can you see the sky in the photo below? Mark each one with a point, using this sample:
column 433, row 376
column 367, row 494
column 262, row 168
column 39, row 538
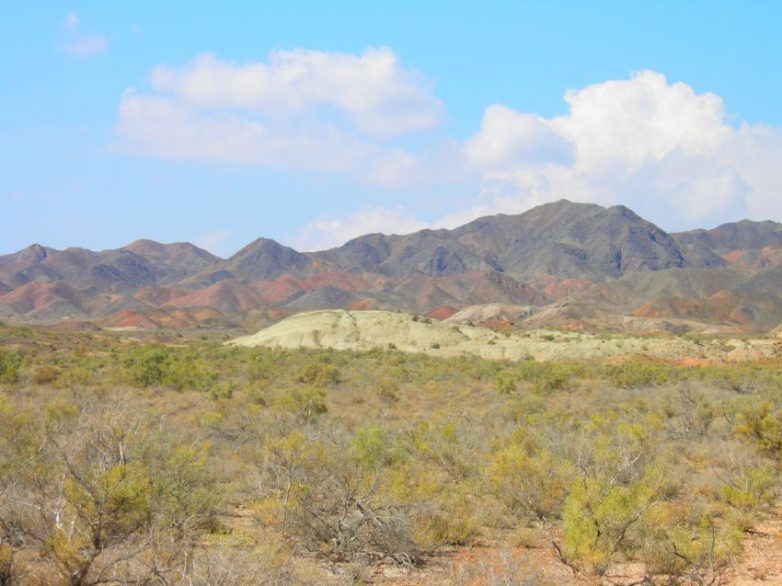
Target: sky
column 314, row 122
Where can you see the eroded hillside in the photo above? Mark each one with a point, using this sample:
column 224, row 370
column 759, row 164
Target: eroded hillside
column 607, row 266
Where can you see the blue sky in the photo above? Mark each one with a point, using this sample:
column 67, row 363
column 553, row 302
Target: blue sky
column 312, row 122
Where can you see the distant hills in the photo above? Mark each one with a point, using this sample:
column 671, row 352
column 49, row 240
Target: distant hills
column 564, row 264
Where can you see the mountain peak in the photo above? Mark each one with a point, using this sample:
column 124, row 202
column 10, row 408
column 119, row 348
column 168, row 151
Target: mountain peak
column 160, row 251
column 561, row 248
column 34, row 253
column 144, row 244
column 264, row 258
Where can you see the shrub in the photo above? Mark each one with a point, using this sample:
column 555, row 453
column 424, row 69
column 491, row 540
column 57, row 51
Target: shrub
column 146, row 366
column 331, row 503
column 187, row 372
column 600, row 517
column 762, row 426
column 320, row 374
column 222, row 390
column 636, row 374
column 307, row 403
column 45, row 375
column 533, row 483
column 10, row 366
column 74, row 377
column 505, row 382
column 554, row 376
column 387, row 388
column 689, row 549
column 749, row 488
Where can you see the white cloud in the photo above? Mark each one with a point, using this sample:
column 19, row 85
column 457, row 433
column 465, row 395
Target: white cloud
column 86, row 46
column 71, row 20
column 757, row 151
column 510, row 137
column 165, row 128
column 372, row 90
column 632, row 122
column 300, row 110
column 662, row 149
column 324, row 233
column 659, row 148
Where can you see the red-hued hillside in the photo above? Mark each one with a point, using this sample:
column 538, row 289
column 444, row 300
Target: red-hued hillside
column 724, row 307
column 157, row 296
column 558, row 288
column 37, row 297
column 443, row 312
column 575, row 265
column 279, row 290
column 230, row 296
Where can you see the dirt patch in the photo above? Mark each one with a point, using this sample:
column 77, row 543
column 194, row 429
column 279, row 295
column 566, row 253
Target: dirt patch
column 761, row 562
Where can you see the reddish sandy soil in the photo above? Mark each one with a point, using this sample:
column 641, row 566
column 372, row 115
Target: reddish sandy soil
column 761, row 563
column 489, row 562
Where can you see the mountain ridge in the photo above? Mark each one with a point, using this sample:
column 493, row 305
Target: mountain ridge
column 554, row 252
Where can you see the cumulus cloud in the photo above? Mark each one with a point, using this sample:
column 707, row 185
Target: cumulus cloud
column 324, row 233
column 372, row 90
column 661, row 148
column 658, row 147
column 300, row 109
column 166, row 128
column 508, row 137
column 626, row 124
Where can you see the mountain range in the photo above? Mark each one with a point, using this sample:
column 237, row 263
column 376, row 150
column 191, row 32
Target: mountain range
column 563, row 264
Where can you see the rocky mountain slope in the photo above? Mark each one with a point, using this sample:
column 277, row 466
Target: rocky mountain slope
column 573, row 265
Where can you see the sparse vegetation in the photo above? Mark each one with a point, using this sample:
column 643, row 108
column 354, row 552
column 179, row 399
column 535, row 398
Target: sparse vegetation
column 188, row 462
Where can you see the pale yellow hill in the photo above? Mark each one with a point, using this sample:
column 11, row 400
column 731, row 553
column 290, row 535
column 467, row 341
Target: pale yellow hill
column 364, row 330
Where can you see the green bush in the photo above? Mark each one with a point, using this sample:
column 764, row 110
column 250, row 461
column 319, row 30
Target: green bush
column 505, row 382
column 320, row 374
column 763, row 426
column 531, row 482
column 636, row 374
column 601, row 516
column 10, row 366
column 307, row 403
column 146, row 366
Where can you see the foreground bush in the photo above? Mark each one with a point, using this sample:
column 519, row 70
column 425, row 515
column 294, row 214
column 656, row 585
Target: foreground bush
column 100, row 494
